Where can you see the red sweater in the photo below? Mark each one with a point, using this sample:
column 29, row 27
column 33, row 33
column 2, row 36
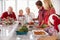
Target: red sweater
column 48, row 13
column 5, row 15
column 41, row 15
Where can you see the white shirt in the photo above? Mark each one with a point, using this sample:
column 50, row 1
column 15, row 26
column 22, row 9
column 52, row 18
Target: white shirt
column 21, row 19
column 29, row 18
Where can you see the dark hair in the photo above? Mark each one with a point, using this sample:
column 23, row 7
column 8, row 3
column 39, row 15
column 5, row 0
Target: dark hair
column 39, row 3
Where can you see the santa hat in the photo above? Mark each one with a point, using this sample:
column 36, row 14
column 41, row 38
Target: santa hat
column 51, row 19
column 55, row 20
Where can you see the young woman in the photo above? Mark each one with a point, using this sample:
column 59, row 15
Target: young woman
column 50, row 9
column 29, row 15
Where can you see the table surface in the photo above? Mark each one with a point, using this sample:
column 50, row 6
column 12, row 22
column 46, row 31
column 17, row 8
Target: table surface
column 8, row 31
column 29, row 36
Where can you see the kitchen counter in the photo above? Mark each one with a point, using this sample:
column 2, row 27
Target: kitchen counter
column 29, row 36
column 9, row 33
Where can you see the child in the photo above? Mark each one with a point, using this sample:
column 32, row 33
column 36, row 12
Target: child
column 21, row 17
column 42, row 13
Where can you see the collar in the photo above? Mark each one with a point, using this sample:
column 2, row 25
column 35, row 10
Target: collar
column 41, row 9
column 21, row 15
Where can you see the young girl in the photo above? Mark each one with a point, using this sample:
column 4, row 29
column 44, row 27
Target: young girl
column 21, row 17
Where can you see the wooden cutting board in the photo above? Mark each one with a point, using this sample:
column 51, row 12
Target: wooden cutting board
column 48, row 38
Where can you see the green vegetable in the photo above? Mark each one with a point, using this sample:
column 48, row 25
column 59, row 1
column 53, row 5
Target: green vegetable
column 44, row 26
column 23, row 29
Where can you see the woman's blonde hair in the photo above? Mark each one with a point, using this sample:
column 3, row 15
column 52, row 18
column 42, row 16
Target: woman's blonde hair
column 48, row 4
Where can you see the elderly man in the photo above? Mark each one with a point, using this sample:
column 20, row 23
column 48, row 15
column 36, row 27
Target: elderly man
column 9, row 13
column 29, row 15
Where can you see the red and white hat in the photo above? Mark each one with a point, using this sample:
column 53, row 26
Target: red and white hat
column 51, row 20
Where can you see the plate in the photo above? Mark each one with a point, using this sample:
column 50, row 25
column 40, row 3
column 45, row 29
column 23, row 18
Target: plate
column 39, row 33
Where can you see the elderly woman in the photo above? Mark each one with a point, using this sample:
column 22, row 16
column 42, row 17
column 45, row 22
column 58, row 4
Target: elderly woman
column 29, row 15
column 9, row 14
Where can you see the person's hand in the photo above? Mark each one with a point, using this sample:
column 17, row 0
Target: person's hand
column 6, row 20
column 31, row 23
column 3, row 19
column 37, row 26
column 35, row 19
column 8, row 17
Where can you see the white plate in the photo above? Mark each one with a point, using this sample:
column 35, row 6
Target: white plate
column 39, row 31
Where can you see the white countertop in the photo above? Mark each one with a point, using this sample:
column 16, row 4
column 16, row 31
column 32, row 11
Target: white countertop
column 8, row 31
column 29, row 36
column 12, row 34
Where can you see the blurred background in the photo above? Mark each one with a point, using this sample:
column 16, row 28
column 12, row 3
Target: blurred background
column 22, row 4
